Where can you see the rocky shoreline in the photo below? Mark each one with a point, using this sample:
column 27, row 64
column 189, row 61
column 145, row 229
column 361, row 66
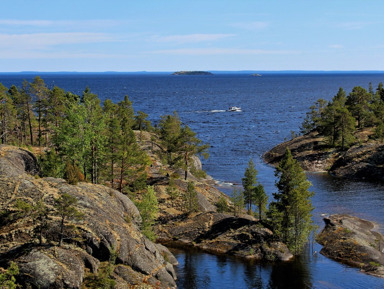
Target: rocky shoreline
column 362, row 161
column 111, row 227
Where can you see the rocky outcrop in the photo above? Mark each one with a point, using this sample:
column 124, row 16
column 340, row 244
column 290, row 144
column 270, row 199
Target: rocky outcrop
column 17, row 161
column 207, row 230
column 363, row 161
column 110, row 224
column 223, row 234
column 353, row 241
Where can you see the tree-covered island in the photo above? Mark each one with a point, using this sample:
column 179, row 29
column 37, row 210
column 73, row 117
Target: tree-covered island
column 192, row 73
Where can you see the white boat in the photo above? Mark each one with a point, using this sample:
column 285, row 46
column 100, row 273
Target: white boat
column 234, row 108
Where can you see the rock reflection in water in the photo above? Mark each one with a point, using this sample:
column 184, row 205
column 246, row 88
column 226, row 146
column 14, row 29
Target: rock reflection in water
column 198, row 270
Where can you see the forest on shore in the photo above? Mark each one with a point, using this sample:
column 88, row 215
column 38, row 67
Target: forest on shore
column 340, row 119
column 81, row 139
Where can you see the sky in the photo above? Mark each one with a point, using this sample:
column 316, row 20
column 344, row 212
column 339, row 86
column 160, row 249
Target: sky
column 173, row 35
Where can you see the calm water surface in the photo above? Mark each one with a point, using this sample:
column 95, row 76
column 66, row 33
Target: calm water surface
column 272, row 106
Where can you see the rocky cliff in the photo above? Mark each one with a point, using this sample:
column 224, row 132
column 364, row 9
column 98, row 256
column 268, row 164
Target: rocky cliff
column 353, row 241
column 362, row 161
column 110, row 226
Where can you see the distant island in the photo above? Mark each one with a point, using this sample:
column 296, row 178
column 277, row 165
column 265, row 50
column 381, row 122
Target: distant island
column 192, row 73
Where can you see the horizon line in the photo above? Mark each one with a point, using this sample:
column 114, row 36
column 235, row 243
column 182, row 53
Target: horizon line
column 217, row 71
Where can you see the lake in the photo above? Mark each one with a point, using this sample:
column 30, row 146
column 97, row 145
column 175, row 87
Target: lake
column 273, row 106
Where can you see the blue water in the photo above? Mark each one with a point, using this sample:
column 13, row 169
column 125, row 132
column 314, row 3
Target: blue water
column 272, row 106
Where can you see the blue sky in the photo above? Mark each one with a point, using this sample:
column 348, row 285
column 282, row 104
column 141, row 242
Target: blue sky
column 170, row 35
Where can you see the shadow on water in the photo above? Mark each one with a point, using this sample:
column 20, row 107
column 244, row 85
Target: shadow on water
column 198, row 270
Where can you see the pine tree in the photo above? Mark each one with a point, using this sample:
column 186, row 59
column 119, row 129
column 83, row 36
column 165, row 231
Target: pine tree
column 261, row 200
column 237, row 198
column 169, row 131
column 190, row 199
column 113, row 134
column 249, row 184
column 40, row 92
column 132, row 160
column 188, row 145
column 358, row 104
column 141, row 123
column 65, row 209
column 7, row 116
column 337, row 123
column 149, row 208
column 290, row 214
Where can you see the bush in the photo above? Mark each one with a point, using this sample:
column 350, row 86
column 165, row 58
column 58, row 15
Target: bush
column 222, row 205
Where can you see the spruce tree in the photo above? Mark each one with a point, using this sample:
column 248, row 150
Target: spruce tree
column 290, row 214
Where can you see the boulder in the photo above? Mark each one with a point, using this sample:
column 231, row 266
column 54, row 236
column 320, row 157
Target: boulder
column 353, row 241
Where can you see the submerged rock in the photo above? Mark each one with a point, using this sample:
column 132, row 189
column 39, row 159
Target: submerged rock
column 353, row 241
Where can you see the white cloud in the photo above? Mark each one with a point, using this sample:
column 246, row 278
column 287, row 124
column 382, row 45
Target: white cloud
column 222, row 51
column 190, row 38
column 256, row 25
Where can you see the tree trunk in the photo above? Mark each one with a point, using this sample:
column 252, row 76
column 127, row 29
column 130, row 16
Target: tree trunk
column 61, row 231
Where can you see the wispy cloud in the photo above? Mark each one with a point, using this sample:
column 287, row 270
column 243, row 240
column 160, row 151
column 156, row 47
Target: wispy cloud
column 336, row 46
column 44, row 40
column 59, row 23
column 222, row 51
column 255, row 25
column 15, row 54
column 353, row 25
column 190, row 38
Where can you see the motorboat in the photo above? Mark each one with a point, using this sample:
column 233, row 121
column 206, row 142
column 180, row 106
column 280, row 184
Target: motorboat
column 234, row 108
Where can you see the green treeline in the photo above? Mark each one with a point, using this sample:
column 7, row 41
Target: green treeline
column 81, row 139
column 339, row 119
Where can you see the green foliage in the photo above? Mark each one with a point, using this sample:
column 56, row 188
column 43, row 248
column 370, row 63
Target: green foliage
column 7, row 277
column 358, row 104
column 190, row 199
column 222, row 205
column 313, row 117
column 249, row 184
column 180, row 142
column 237, row 199
column 200, row 174
column 51, row 166
column 261, row 200
column 149, row 208
column 338, row 123
column 104, row 278
column 172, row 190
column 290, row 214
column 72, row 173
column 65, row 209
